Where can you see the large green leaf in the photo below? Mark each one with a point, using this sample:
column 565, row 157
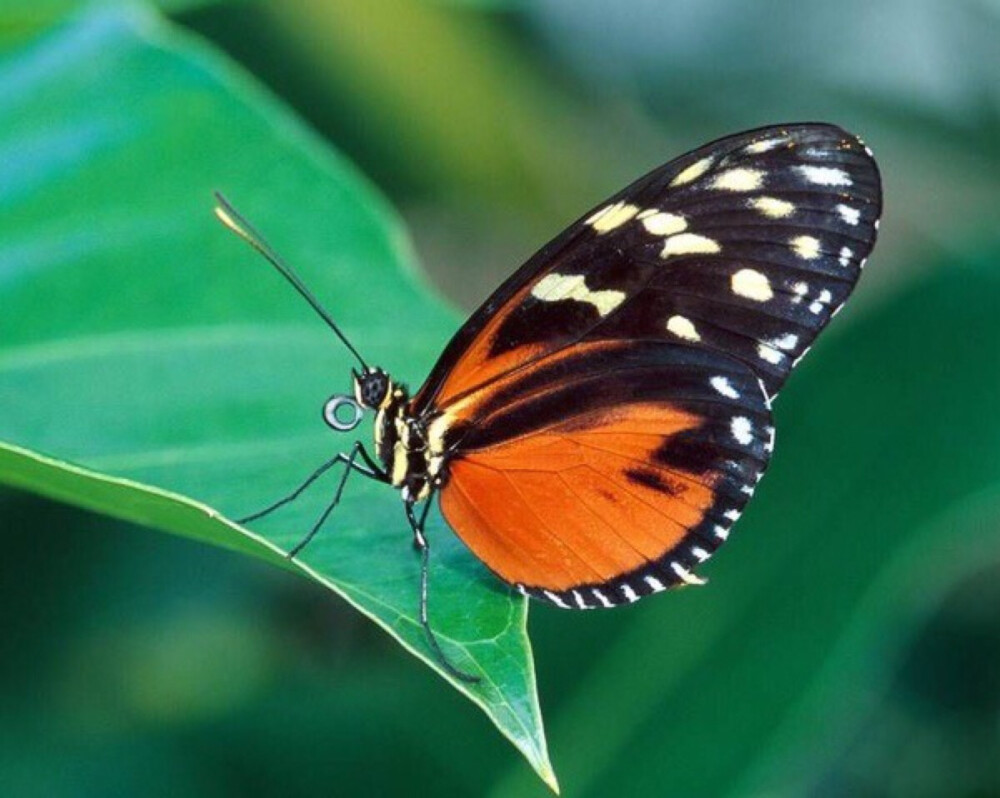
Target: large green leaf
column 152, row 368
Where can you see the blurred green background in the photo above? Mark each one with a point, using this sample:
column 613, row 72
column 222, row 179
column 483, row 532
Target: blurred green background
column 849, row 641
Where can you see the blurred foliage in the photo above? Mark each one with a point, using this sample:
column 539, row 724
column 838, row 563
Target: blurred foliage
column 847, row 642
column 20, row 19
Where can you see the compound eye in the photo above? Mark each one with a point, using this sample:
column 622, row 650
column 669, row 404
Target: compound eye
column 374, row 389
column 342, row 413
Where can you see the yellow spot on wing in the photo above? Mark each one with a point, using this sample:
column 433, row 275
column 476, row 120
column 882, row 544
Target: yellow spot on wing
column 688, row 244
column 612, row 216
column 555, row 287
column 663, row 224
column 752, row 285
column 683, row 328
column 693, row 172
column 806, row 247
column 765, row 144
column 773, row 207
column 738, row 180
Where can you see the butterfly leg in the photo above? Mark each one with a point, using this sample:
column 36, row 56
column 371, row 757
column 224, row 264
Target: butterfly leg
column 369, row 469
column 421, row 544
column 294, row 494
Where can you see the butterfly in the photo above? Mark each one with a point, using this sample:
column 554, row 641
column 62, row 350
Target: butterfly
column 599, row 423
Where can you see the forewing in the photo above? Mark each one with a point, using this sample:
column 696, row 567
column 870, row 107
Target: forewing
column 747, row 246
column 595, row 479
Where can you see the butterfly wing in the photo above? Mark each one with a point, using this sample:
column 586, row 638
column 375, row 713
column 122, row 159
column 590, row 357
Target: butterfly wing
column 594, row 479
column 746, row 246
column 603, row 418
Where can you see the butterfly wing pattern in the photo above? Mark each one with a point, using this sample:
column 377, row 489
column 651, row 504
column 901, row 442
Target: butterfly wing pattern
column 602, row 420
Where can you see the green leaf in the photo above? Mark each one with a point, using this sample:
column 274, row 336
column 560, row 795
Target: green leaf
column 154, row 369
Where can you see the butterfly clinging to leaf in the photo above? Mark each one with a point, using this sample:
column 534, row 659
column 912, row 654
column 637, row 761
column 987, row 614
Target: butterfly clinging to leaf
column 596, row 427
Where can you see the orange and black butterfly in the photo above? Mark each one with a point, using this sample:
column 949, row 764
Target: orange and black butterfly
column 597, row 426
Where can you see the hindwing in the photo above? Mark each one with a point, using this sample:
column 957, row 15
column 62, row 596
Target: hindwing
column 595, row 479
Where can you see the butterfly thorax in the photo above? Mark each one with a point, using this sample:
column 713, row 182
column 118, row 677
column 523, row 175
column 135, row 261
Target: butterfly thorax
column 411, row 460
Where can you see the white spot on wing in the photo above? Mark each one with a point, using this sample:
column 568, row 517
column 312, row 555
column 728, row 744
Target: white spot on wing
column 787, row 342
column 850, row 215
column 742, row 430
column 724, row 387
column 752, row 285
column 655, row 584
column 583, row 605
column 819, row 153
column 601, row 597
column 693, row 172
column 685, row 575
column 554, row 598
column 721, row 532
column 738, row 180
column 732, row 515
column 773, row 207
column 699, row 553
column 769, row 353
column 823, row 300
column 769, row 446
column 688, row 244
column 660, row 223
column 824, row 175
column 763, row 390
column 683, row 328
column 629, row 593
column 555, row 287
column 806, row 247
column 845, row 256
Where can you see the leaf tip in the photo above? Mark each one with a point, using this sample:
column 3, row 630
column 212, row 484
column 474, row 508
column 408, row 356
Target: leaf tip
column 548, row 775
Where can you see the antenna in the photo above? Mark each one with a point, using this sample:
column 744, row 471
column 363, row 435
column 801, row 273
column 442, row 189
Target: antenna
column 232, row 219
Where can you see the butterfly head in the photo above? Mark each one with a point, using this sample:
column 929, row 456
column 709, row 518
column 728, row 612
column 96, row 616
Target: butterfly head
column 372, row 387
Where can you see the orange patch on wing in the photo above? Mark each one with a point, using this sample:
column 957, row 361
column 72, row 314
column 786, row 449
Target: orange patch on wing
column 507, row 370
column 557, row 508
column 477, row 365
